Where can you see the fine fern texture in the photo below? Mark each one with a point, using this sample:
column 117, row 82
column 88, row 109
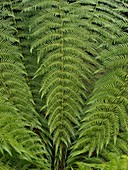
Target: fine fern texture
column 106, row 116
column 64, row 84
column 106, row 119
column 64, row 66
column 115, row 162
column 17, row 114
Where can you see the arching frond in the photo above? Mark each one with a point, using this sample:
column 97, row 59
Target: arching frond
column 107, row 115
column 18, row 117
column 63, row 61
column 64, row 66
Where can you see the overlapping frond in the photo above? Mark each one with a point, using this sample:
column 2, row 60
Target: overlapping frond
column 30, row 63
column 65, row 66
column 18, row 117
column 107, row 116
column 102, row 20
column 114, row 162
column 76, row 43
column 112, row 157
column 66, row 43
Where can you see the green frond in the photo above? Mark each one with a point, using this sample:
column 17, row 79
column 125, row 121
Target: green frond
column 107, row 113
column 58, row 83
column 63, row 84
column 18, row 116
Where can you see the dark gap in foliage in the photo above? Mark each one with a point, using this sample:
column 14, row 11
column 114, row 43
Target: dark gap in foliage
column 71, row 1
column 87, row 4
column 125, row 29
column 107, row 4
column 125, row 14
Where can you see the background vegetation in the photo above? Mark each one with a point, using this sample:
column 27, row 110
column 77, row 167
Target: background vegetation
column 64, row 84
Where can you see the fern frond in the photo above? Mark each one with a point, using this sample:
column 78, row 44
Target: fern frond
column 53, row 54
column 18, row 117
column 107, row 112
column 64, row 65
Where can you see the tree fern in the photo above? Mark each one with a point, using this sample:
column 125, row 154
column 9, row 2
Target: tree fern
column 16, row 105
column 80, row 46
column 64, row 65
column 107, row 116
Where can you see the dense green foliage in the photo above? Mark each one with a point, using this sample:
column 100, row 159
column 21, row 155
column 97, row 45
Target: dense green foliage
column 64, row 84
